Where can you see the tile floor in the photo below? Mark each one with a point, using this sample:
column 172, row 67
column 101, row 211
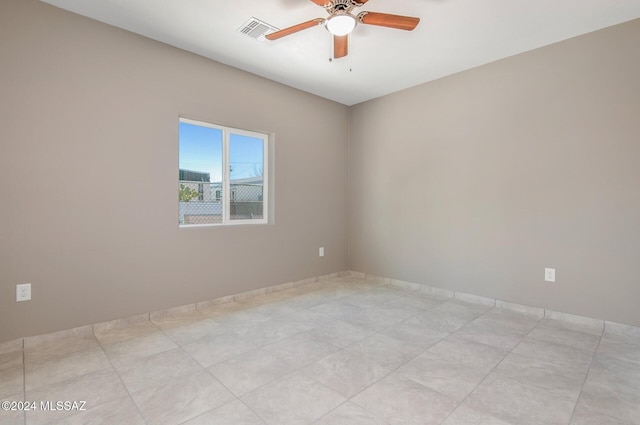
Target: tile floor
column 338, row 352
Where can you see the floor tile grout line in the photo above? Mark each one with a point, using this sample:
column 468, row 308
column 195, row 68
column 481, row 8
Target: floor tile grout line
column 377, row 332
column 509, row 352
column 207, row 318
column 353, row 293
column 586, row 376
column 489, row 345
column 120, row 378
column 248, row 308
column 237, row 397
column 349, row 399
column 492, row 369
column 66, row 380
column 24, row 381
column 395, row 370
column 299, row 369
column 102, row 349
column 226, row 388
column 297, row 311
column 378, row 305
column 253, row 411
column 421, row 353
column 202, row 369
column 178, row 346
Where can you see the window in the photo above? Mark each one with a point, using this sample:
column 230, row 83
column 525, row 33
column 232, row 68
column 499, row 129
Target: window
column 222, row 175
column 201, row 192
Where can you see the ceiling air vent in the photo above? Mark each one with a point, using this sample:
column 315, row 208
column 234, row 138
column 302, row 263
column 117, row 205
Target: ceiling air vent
column 255, row 28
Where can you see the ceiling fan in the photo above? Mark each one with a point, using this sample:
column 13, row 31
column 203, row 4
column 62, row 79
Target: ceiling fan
column 341, row 22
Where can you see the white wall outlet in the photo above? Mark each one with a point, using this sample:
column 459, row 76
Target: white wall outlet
column 321, row 251
column 23, row 292
column 550, row 275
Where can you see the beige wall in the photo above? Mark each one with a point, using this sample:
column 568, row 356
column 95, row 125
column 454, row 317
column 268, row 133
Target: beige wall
column 89, row 167
column 479, row 181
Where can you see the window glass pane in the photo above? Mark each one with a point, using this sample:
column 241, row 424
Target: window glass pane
column 246, row 177
column 200, row 174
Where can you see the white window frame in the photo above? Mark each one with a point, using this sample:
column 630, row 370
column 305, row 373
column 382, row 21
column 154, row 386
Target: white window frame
column 226, row 182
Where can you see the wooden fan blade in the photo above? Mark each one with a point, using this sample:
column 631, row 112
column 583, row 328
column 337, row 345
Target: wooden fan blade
column 361, row 2
column 322, row 3
column 340, row 46
column 406, row 23
column 288, row 31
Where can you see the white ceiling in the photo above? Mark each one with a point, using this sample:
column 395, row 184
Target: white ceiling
column 453, row 35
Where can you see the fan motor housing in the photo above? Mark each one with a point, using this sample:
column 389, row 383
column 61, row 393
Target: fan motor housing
column 341, row 6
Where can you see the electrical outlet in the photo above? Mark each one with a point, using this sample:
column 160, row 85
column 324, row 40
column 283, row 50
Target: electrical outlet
column 550, row 275
column 321, row 251
column 23, row 292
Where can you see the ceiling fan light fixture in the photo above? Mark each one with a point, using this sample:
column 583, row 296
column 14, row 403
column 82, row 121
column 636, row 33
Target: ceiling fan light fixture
column 341, row 24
